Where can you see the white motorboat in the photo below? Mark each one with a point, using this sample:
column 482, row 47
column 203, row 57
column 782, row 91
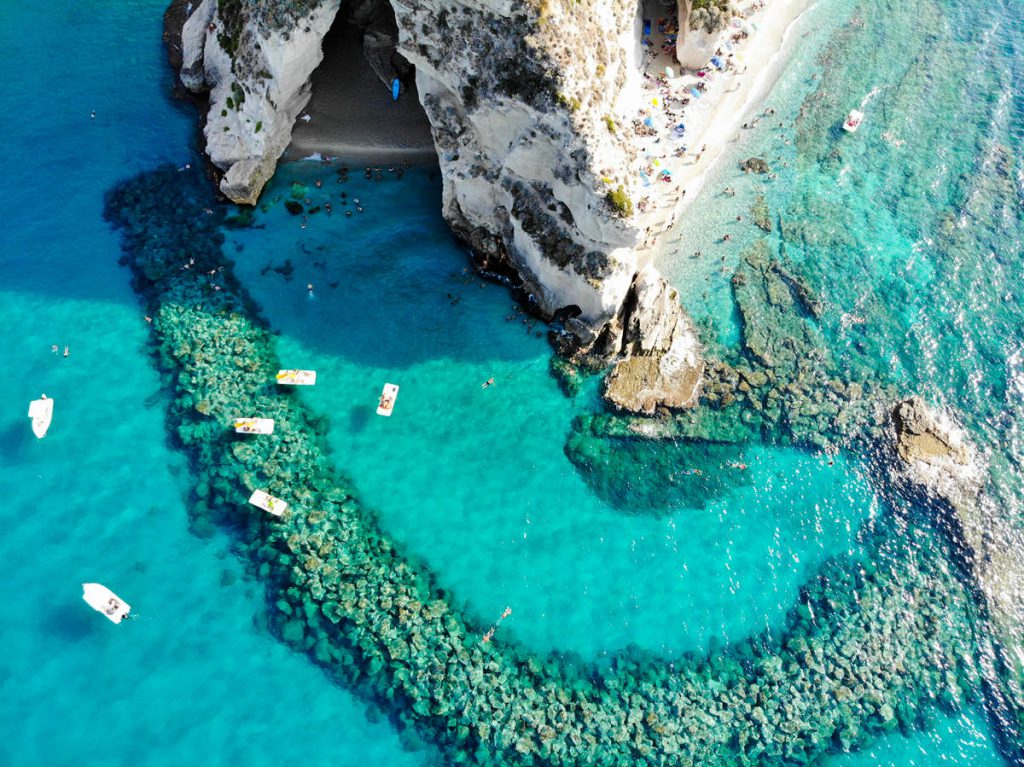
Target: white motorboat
column 853, row 121
column 103, row 600
column 41, row 412
column 296, row 377
column 263, row 500
column 254, row 425
column 387, row 399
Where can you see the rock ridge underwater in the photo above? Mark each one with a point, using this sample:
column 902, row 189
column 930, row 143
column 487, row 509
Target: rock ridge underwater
column 872, row 644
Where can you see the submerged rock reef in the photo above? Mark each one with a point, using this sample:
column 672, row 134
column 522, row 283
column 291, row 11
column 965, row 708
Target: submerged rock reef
column 781, row 386
column 871, row 644
column 522, row 100
column 939, row 464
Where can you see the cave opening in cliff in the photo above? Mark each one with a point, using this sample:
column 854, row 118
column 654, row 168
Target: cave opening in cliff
column 352, row 112
column 656, row 30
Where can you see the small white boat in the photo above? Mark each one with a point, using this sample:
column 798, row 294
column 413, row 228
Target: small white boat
column 853, row 121
column 254, row 425
column 296, row 377
column 387, row 399
column 103, row 600
column 263, row 500
column 41, row 413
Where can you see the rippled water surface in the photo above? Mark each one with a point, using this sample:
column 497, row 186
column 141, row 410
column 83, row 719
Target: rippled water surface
column 921, row 239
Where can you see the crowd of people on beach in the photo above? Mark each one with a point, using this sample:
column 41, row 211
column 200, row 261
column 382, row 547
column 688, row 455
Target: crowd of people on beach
column 669, row 92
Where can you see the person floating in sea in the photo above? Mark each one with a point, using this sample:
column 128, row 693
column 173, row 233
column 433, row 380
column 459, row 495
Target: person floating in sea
column 488, row 382
column 55, row 348
column 67, row 351
column 490, row 632
column 309, row 289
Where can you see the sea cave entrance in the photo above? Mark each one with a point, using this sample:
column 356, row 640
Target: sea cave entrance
column 656, row 32
column 352, row 113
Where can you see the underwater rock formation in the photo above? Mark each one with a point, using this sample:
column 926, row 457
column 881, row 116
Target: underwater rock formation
column 870, row 645
column 935, row 458
column 781, row 387
column 519, row 98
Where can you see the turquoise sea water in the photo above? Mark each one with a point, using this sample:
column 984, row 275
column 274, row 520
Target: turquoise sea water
column 473, row 481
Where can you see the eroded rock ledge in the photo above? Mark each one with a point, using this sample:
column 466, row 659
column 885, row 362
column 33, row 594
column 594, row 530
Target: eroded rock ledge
column 936, row 457
column 520, row 98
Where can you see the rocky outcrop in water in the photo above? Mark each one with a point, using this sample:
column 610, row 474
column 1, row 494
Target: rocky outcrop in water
column 755, row 165
column 782, row 387
column 934, row 451
column 663, row 364
column 254, row 62
column 935, row 458
column 520, row 99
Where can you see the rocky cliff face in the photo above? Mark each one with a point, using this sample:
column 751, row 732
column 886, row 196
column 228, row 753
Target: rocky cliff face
column 255, row 61
column 526, row 103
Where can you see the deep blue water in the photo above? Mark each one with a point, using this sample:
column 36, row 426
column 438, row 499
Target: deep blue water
column 473, row 481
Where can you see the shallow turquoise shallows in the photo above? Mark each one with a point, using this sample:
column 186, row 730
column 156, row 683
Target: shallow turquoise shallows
column 472, row 480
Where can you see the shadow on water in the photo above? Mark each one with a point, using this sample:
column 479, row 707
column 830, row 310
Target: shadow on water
column 358, row 418
column 392, row 286
column 67, row 622
column 13, row 441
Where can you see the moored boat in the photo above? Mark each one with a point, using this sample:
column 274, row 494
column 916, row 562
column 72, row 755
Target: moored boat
column 103, row 600
column 853, row 121
column 386, row 403
column 261, row 499
column 296, row 377
column 41, row 412
column 254, row 425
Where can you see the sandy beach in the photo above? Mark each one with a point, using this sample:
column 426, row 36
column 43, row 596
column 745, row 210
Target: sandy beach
column 730, row 98
column 741, row 93
column 352, row 115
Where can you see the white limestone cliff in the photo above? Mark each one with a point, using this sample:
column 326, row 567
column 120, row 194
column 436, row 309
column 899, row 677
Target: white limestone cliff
column 524, row 102
column 530, row 105
column 257, row 76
